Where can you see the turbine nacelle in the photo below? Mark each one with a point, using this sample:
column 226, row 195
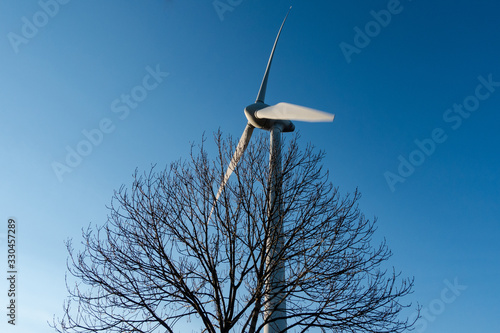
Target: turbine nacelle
column 251, row 112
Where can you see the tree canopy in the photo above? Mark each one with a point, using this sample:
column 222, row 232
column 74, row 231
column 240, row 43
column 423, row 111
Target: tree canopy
column 167, row 254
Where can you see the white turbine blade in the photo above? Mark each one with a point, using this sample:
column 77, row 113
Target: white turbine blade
column 240, row 149
column 287, row 111
column 262, row 91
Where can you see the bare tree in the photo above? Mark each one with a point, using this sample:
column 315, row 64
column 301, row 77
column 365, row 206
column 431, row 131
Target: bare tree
column 167, row 255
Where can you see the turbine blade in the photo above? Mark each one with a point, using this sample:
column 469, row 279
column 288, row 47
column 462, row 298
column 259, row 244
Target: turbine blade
column 240, row 149
column 262, row 91
column 287, row 111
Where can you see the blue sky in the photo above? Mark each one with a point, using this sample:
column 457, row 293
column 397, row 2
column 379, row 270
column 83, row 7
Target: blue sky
column 416, row 95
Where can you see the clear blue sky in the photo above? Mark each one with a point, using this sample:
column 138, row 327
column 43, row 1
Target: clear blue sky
column 415, row 86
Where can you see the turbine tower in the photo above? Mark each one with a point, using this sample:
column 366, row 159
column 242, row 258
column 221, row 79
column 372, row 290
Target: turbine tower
column 276, row 119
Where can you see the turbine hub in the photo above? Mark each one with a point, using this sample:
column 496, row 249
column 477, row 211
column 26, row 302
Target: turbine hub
column 263, row 123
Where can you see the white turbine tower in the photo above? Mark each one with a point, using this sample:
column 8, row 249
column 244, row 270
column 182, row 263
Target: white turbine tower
column 276, row 119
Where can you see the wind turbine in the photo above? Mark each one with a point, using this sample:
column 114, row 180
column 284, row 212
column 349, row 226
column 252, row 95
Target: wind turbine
column 276, row 119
